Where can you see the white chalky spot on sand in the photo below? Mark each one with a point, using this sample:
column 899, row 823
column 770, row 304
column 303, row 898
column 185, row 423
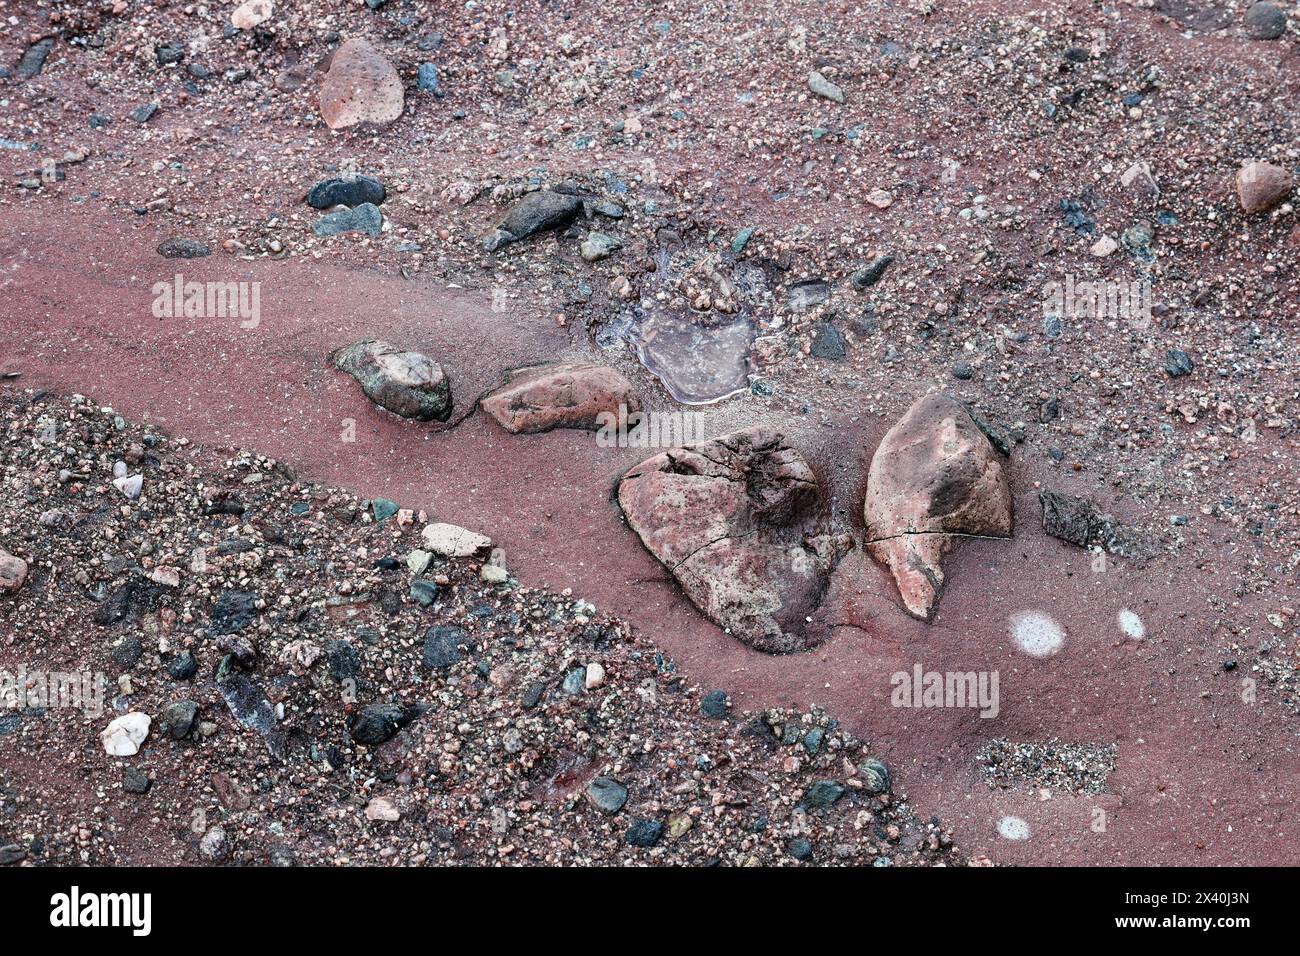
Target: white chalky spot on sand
column 1132, row 625
column 1013, row 828
column 1036, row 634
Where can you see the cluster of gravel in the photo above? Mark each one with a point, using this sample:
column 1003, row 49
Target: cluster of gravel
column 324, row 690
column 1067, row 767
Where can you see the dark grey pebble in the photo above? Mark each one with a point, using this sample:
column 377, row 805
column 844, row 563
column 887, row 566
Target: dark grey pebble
column 644, row 833
column 442, row 647
column 346, row 191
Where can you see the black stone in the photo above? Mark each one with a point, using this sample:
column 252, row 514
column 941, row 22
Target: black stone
column 822, row 794
column 442, row 647
column 344, row 664
column 144, row 112
column 536, row 212
column 365, row 217
column 828, row 343
column 33, row 60
column 341, row 191
column 233, row 612
column 1178, row 363
column 177, row 720
column 183, row 666
column 533, row 695
column 424, row 592
column 135, row 781
column 128, row 653
column 165, row 53
column 380, row 722
column 714, row 704
column 871, row 273
column 645, row 833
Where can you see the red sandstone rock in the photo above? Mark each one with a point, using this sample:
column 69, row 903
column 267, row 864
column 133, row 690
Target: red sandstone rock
column 13, row 571
column 936, row 476
column 361, row 87
column 568, row 395
column 737, row 520
column 1261, row 186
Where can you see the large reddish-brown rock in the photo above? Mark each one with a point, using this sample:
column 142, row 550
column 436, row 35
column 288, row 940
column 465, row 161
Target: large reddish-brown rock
column 738, row 522
column 935, row 478
column 13, row 571
column 360, row 87
column 567, row 395
column 1261, row 186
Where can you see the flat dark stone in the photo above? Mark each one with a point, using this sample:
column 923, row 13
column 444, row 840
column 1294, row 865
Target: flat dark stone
column 178, row 248
column 442, row 647
column 33, row 60
column 346, row 191
column 379, row 723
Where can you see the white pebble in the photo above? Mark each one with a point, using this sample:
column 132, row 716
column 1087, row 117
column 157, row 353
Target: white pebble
column 123, row 737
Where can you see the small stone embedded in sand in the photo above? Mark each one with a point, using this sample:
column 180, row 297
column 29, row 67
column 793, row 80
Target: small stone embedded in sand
column 607, row 794
column 824, row 87
column 382, row 809
column 880, row 198
column 453, row 541
column 360, row 87
column 124, row 735
column 599, row 245
column 935, row 478
column 566, row 395
column 1139, row 179
column 1261, row 186
column 251, row 14
column 1265, row 21
column 180, row 248
column 1013, row 828
column 346, row 191
column 1131, row 625
column 738, row 522
column 1036, row 634
column 1081, row 521
column 166, row 576
column 13, row 571
column 1104, row 247
column 364, row 218
column 536, row 212
column 406, row 383
column 130, row 486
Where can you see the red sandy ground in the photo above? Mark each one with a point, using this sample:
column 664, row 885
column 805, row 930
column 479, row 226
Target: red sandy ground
column 1201, row 777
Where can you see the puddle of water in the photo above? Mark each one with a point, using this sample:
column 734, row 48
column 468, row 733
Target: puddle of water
column 700, row 358
column 698, row 364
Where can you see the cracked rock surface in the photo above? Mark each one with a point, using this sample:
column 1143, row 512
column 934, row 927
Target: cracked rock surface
column 737, row 520
column 935, row 478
